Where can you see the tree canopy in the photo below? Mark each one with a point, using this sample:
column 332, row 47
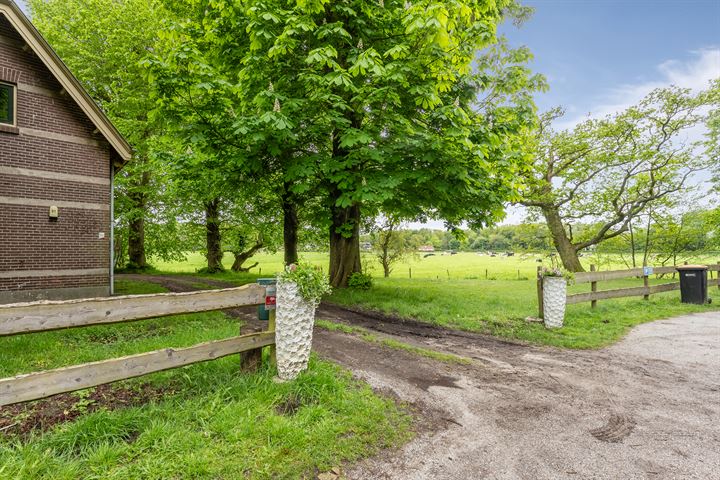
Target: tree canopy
column 362, row 105
column 610, row 171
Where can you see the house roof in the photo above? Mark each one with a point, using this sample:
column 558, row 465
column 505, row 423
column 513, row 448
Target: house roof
column 62, row 73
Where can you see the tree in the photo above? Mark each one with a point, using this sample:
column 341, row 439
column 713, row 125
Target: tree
column 713, row 131
column 611, row 171
column 680, row 233
column 390, row 243
column 371, row 106
column 253, row 223
column 103, row 43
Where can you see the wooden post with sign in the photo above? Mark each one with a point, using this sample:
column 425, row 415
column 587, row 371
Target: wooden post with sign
column 270, row 306
column 540, row 292
column 251, row 360
column 271, row 328
column 646, row 281
column 593, row 288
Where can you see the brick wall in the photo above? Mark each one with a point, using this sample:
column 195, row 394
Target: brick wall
column 53, row 136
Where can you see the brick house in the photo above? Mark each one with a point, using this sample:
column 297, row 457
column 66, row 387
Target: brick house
column 58, row 155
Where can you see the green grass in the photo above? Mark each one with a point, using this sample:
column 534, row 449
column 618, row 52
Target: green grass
column 391, row 343
column 491, row 295
column 441, row 266
column 500, row 307
column 215, row 423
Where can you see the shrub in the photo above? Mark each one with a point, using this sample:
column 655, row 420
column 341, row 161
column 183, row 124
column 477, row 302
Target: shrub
column 360, row 280
column 311, row 282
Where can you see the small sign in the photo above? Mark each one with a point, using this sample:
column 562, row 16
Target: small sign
column 647, row 271
column 270, row 297
column 270, row 302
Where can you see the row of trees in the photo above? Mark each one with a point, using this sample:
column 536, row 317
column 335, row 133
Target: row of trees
column 259, row 115
column 268, row 124
column 653, row 239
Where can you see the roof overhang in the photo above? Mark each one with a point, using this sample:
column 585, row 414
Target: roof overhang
column 62, row 73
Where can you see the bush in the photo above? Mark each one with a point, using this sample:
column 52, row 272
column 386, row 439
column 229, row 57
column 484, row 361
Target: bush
column 311, row 282
column 360, row 280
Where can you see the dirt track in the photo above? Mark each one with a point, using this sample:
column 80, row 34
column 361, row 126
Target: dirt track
column 646, row 408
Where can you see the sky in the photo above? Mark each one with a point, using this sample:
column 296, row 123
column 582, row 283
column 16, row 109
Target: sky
column 601, row 56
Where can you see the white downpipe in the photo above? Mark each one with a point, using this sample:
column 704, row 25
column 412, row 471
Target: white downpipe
column 112, row 229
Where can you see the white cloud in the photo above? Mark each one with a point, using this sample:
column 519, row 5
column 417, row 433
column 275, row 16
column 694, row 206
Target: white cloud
column 694, row 73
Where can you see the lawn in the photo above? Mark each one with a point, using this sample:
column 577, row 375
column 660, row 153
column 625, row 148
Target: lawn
column 204, row 421
column 455, row 291
column 500, row 308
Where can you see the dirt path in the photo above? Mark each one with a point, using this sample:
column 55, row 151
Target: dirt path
column 646, row 408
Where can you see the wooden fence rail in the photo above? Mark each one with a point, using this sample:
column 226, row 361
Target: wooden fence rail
column 41, row 316
column 593, row 277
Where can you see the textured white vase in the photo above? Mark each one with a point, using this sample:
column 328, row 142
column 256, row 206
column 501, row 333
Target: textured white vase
column 554, row 299
column 294, row 322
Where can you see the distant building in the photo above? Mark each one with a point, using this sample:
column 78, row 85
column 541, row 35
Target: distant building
column 58, row 155
column 426, row 248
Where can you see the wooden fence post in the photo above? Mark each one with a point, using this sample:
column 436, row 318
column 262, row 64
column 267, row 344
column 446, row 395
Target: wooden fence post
column 593, row 288
column 250, row 360
column 271, row 328
column 646, row 284
column 540, row 292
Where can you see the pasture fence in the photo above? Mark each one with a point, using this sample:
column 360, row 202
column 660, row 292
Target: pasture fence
column 645, row 273
column 33, row 317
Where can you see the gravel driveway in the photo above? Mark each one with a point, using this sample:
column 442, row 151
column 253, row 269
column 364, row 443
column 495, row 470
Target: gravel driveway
column 646, row 408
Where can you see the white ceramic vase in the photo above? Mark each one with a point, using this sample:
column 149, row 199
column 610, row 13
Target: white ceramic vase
column 554, row 299
column 294, row 321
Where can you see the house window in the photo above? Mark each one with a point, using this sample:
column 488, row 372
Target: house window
column 7, row 104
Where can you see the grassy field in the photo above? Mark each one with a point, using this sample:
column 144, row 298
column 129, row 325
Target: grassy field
column 455, row 291
column 206, row 421
column 462, row 266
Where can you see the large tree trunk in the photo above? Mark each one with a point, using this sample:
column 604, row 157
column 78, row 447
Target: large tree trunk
column 136, row 243
column 214, row 253
column 564, row 246
column 136, row 225
column 344, row 244
column 290, row 229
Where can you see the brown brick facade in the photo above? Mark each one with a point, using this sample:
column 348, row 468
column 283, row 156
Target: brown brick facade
column 54, row 157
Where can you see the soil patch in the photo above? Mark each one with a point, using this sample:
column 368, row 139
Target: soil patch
column 25, row 418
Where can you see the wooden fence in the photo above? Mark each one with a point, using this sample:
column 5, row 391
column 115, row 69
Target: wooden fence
column 593, row 277
column 23, row 318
